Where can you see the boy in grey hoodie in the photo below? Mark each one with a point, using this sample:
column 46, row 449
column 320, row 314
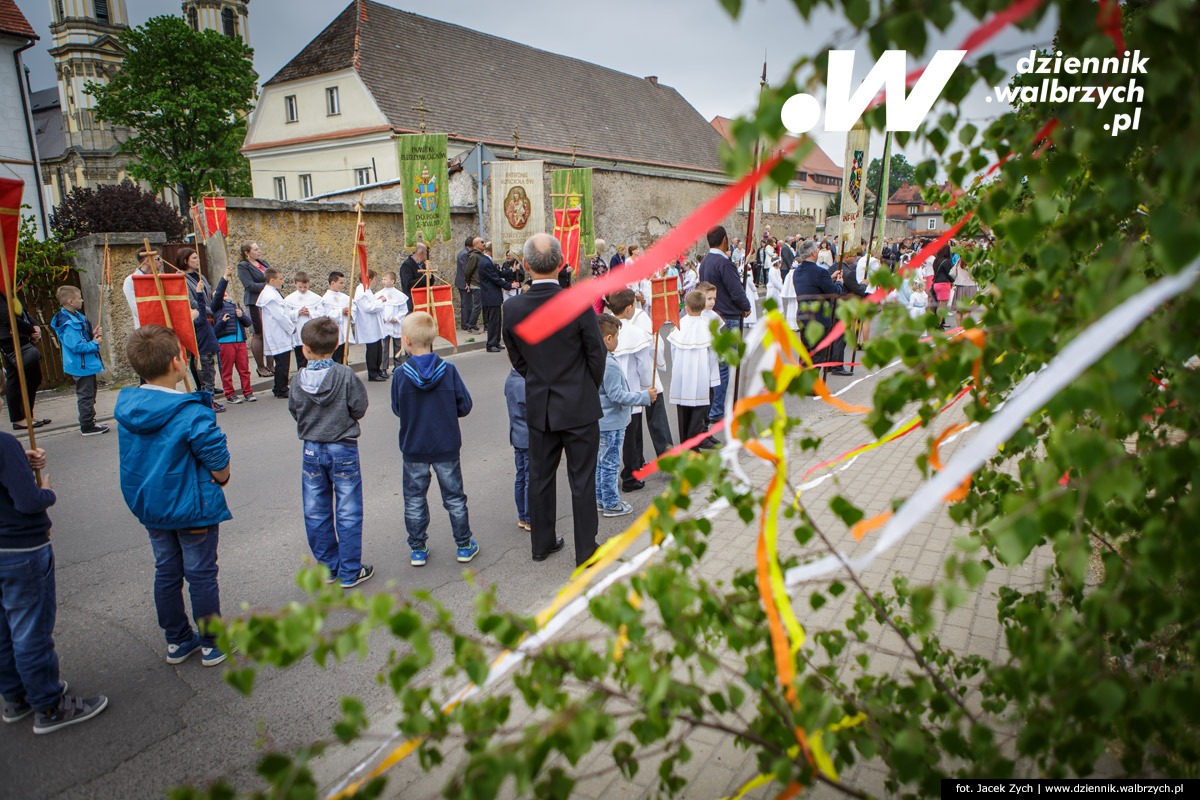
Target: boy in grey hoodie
column 327, row 400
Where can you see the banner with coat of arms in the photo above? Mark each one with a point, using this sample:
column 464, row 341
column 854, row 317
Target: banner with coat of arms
column 853, row 196
column 518, row 204
column 424, row 187
column 571, row 199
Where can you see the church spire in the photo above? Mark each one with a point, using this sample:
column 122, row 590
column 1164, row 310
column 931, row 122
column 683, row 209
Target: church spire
column 228, row 17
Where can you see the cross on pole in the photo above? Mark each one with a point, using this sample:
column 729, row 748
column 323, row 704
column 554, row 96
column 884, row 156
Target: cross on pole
column 516, row 143
column 420, row 107
column 574, row 147
column 150, row 255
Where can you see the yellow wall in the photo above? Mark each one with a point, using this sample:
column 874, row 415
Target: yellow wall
column 358, row 109
column 331, row 164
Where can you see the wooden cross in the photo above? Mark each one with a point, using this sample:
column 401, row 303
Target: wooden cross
column 516, row 143
column 574, row 146
column 420, row 107
column 566, row 194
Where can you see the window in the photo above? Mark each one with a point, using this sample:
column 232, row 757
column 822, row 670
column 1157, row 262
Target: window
column 61, row 13
column 229, row 23
column 932, row 223
column 333, row 106
column 912, row 210
column 306, row 186
column 193, row 19
column 785, row 203
column 291, row 112
column 281, row 189
column 101, row 7
column 362, row 176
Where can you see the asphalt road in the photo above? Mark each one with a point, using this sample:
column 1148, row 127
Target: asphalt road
column 171, row 725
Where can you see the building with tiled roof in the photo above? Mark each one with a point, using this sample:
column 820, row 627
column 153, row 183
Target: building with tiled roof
column 328, row 119
column 18, row 144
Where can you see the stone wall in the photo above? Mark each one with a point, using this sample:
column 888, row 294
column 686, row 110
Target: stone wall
column 892, row 229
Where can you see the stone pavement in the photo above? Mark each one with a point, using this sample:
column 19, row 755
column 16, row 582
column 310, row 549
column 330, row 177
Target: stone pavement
column 719, row 767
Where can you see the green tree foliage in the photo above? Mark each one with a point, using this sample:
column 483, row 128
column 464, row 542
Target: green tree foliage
column 901, row 173
column 114, row 208
column 1102, row 640
column 184, row 95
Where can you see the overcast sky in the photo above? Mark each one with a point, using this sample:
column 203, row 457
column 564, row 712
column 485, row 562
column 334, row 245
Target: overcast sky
column 691, row 45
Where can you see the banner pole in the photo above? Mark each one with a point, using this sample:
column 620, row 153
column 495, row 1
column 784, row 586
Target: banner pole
column 10, row 292
column 162, row 298
column 353, row 265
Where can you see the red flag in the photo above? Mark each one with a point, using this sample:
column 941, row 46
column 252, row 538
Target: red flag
column 202, row 232
column 360, row 251
column 10, row 229
column 566, row 230
column 439, row 303
column 179, row 303
column 664, row 301
column 214, row 213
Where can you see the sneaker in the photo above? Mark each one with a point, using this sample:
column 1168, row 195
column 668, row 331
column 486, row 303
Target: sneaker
column 251, row 398
column 465, row 554
column 364, row 575
column 419, row 556
column 17, row 710
column 620, row 510
column 179, row 653
column 212, row 656
column 95, row 430
column 233, row 401
column 71, row 710
column 218, row 408
column 525, row 526
column 599, row 506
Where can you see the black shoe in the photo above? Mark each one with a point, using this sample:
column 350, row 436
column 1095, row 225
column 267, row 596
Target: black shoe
column 845, row 373
column 494, row 349
column 709, row 444
column 70, row 711
column 283, row 396
column 41, row 423
column 558, row 545
column 94, row 430
column 377, row 378
column 632, row 486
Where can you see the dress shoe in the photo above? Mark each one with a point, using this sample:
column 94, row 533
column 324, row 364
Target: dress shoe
column 377, row 378
column 845, row 373
column 558, row 545
column 633, row 486
column 494, row 349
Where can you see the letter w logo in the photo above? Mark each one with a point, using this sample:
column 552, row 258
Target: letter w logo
column 842, row 109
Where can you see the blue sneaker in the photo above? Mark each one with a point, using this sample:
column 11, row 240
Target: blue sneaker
column 419, row 556
column 179, row 653
column 212, row 656
column 465, row 554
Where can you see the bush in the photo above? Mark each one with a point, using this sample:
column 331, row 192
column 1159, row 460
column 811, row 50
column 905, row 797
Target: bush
column 115, row 208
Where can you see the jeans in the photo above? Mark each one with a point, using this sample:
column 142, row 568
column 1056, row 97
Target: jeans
column 331, row 486
column 415, row 482
column 85, row 401
column 717, row 410
column 608, row 465
column 28, row 663
column 521, row 484
column 185, row 553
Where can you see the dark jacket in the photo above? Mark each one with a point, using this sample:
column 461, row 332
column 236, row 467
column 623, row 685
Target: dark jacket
column 722, row 273
column 226, row 321
column 23, row 518
column 429, row 396
column 786, row 255
column 809, row 278
column 25, row 326
column 849, row 279
column 616, row 261
column 410, row 271
column 564, row 276
column 169, row 444
column 512, row 272
column 941, row 271
column 471, row 269
column 491, row 285
column 327, row 404
column 460, row 268
column 564, row 371
column 514, row 398
column 253, row 279
column 206, row 337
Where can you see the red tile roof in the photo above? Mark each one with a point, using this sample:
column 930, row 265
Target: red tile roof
column 815, row 163
column 13, row 21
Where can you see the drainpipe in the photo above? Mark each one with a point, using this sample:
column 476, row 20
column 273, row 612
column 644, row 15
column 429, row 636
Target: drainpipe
column 23, row 86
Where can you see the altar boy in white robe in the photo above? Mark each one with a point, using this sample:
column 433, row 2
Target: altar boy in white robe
column 694, row 369
column 303, row 298
column 635, row 354
column 368, row 327
column 278, row 328
column 395, row 307
column 337, row 307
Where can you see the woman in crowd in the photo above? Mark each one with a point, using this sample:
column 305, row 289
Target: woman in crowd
column 22, row 346
column 252, row 273
column 825, row 255
column 942, row 281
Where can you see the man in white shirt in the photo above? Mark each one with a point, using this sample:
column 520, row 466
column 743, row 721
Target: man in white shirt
column 127, row 286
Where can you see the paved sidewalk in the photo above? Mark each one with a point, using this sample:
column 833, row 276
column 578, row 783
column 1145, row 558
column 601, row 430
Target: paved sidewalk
column 718, row 767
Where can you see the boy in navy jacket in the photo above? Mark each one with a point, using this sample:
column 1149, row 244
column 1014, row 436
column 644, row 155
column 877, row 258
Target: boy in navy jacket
column 80, row 354
column 429, row 396
column 174, row 463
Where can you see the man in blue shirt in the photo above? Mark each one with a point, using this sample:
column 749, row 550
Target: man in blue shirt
column 733, row 306
column 812, row 281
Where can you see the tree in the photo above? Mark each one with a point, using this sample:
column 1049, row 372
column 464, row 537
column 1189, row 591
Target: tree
column 901, row 173
column 114, row 208
column 835, row 205
column 184, row 95
column 1093, row 497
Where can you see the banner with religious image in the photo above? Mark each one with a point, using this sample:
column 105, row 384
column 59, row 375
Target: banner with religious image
column 518, row 204
column 571, row 191
column 853, row 196
column 424, row 187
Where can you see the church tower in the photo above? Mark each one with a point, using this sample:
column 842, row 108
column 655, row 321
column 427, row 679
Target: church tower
column 228, row 17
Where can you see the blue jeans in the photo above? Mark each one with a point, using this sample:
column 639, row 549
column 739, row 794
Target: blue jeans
column 28, row 663
column 521, row 484
column 717, row 410
column 331, row 485
column 454, row 500
column 185, row 553
column 608, row 467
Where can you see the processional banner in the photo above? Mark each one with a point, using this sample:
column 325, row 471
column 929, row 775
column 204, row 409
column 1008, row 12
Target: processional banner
column 570, row 191
column 424, row 187
column 438, row 302
column 178, row 301
column 518, row 204
column 853, row 196
column 10, row 230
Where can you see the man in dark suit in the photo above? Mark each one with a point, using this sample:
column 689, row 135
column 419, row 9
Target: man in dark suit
column 732, row 304
column 410, row 272
column 466, row 306
column 563, row 374
column 492, row 288
column 811, row 280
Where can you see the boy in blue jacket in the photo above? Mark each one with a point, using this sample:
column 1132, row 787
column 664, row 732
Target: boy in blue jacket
column 174, row 463
column 617, row 402
column 429, row 396
column 80, row 354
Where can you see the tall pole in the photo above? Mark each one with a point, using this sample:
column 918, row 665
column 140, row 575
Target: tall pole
column 10, row 291
column 162, row 299
column 749, row 234
column 883, row 174
column 354, row 268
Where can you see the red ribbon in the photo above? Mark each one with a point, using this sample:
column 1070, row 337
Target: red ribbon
column 652, row 467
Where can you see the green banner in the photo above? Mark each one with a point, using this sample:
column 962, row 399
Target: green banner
column 424, row 187
column 578, row 190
